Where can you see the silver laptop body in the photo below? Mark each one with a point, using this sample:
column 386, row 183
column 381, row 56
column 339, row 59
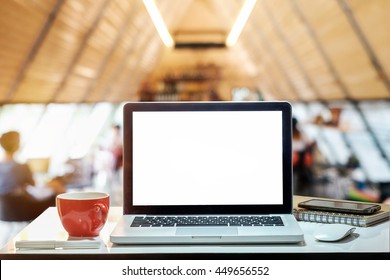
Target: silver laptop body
column 203, row 173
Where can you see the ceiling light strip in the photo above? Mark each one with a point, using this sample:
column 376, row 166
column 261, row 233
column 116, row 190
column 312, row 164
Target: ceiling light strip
column 159, row 22
column 240, row 22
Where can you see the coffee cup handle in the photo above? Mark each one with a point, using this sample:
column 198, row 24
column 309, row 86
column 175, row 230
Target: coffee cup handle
column 100, row 207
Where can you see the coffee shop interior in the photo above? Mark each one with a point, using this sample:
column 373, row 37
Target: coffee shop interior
column 67, row 67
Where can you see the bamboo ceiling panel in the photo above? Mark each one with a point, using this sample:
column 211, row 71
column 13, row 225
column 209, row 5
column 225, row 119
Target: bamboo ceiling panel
column 279, row 55
column 120, row 79
column 275, row 35
column 126, row 71
column 278, row 80
column 104, row 50
column 345, row 51
column 134, row 67
column 116, row 58
column 273, row 72
column 374, row 20
column 57, row 51
column 268, row 72
column 20, row 25
column 303, row 48
column 96, row 47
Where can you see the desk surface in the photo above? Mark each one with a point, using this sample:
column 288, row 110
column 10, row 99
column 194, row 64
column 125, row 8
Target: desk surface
column 374, row 239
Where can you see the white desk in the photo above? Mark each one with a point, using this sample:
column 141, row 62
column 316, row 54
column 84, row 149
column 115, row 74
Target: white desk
column 373, row 239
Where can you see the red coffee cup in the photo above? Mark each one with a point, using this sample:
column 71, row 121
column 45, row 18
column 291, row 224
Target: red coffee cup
column 83, row 214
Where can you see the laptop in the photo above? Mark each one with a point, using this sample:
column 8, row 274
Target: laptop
column 207, row 173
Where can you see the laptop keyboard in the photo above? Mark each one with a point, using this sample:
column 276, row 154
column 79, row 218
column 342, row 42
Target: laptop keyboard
column 185, row 221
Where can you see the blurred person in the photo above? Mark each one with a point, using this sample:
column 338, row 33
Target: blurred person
column 107, row 164
column 102, row 168
column 214, row 95
column 17, row 186
column 117, row 148
column 116, row 178
column 302, row 159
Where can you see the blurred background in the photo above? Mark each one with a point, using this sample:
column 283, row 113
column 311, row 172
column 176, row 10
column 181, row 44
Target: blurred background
column 68, row 66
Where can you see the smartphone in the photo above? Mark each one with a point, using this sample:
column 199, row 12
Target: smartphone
column 340, row 206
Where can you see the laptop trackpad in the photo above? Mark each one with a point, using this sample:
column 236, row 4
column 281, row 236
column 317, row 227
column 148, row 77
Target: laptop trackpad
column 211, row 231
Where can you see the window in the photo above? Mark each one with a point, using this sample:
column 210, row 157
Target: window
column 57, row 131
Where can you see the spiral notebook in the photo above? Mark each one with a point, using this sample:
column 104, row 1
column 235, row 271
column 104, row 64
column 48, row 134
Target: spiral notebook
column 302, row 214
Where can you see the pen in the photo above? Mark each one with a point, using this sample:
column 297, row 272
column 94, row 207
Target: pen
column 57, row 244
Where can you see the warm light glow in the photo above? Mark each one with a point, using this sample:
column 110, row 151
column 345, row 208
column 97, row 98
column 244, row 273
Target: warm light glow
column 158, row 22
column 240, row 22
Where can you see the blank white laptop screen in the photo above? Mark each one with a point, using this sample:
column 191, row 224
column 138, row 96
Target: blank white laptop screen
column 207, row 158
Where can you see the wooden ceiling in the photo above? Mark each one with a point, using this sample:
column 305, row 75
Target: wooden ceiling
column 60, row 51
